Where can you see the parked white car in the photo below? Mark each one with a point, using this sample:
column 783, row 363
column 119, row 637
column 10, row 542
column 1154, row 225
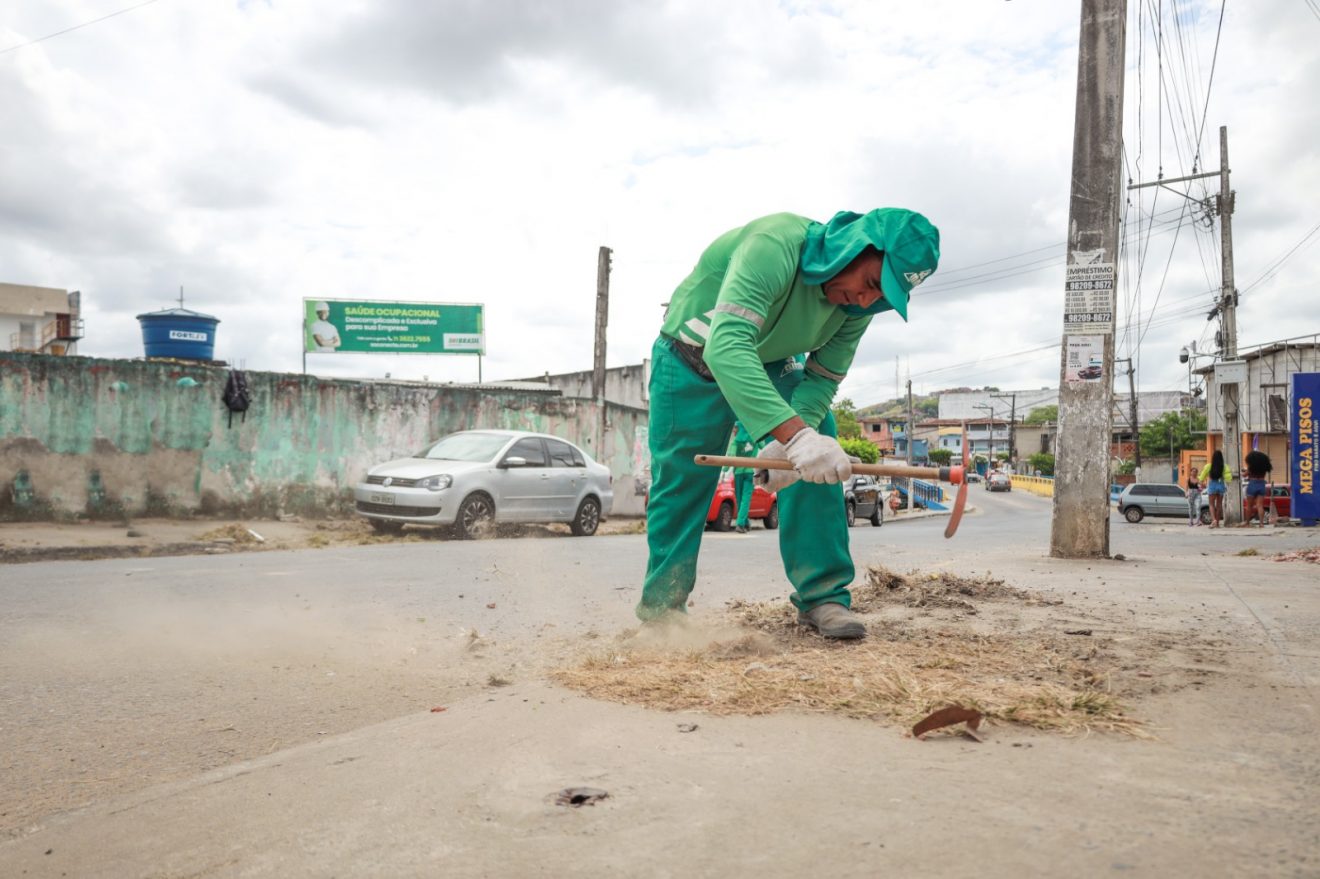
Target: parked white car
column 475, row 478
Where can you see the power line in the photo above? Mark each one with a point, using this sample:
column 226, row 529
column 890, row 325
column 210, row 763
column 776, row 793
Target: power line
column 76, row 27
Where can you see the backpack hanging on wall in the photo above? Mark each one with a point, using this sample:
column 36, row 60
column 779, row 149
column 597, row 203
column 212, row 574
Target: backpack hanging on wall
column 236, row 397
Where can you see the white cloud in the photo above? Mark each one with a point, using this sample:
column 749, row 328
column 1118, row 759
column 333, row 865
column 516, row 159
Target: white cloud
column 261, row 153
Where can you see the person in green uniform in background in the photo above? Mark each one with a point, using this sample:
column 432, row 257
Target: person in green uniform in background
column 743, row 446
column 759, row 295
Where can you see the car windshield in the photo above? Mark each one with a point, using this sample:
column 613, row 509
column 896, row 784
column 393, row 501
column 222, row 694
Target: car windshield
column 465, row 447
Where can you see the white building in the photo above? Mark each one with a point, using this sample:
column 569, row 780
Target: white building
column 39, row 319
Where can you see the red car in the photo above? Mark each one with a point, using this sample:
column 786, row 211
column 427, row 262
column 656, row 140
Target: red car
column 724, row 507
column 1280, row 496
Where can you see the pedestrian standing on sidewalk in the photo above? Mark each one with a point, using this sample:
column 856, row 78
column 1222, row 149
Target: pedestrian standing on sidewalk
column 1258, row 468
column 1193, row 502
column 1216, row 476
column 759, row 295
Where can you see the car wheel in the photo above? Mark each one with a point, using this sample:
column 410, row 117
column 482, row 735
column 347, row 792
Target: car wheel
column 587, row 519
column 1134, row 514
column 385, row 526
column 724, row 518
column 878, row 514
column 852, row 513
column 1205, row 515
column 476, row 517
column 772, row 517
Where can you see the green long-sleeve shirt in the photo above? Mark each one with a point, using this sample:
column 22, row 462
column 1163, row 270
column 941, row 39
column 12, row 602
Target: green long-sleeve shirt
column 746, row 305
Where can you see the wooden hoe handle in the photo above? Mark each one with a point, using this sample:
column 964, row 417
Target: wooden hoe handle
column 955, row 475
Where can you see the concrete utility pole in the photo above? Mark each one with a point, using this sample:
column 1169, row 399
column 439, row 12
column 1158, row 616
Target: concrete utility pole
column 1012, row 426
column 911, row 424
column 991, row 453
column 1132, row 411
column 602, row 318
column 1080, row 528
column 1228, row 307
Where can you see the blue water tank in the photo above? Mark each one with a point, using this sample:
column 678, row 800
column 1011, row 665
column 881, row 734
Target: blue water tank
column 179, row 333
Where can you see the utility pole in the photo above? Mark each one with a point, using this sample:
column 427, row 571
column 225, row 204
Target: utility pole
column 1132, row 411
column 598, row 360
column 1228, row 307
column 1080, row 525
column 911, row 424
column 602, row 318
column 991, row 453
column 1012, row 426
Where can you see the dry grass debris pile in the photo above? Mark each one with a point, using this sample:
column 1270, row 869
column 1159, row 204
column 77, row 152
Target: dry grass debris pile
column 1311, row 554
column 901, row 672
column 234, row 532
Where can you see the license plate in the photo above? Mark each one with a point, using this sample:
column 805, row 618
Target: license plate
column 386, row 499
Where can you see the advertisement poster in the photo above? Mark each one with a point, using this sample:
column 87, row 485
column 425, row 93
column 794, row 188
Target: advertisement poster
column 1086, row 358
column 362, row 326
column 1088, row 305
column 1305, row 446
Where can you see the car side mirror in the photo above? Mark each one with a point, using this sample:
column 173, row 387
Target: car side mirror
column 514, row 461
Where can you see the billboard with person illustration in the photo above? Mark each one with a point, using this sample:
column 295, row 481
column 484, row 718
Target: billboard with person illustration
column 366, row 326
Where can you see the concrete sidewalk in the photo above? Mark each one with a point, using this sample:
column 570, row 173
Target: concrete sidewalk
column 1227, row 790
column 87, row 540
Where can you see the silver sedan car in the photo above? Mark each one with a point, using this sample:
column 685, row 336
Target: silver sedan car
column 474, row 478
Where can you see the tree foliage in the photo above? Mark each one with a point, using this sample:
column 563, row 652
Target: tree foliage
column 861, row 448
column 1043, row 462
column 940, row 457
column 1042, row 415
column 845, row 417
column 1173, row 429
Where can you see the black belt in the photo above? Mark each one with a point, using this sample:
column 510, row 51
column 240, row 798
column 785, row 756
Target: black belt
column 691, row 355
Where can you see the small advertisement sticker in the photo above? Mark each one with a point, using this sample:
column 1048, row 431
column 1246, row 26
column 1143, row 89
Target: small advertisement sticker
column 1086, row 358
column 1088, row 304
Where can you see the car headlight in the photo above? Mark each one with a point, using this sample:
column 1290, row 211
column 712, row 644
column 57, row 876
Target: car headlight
column 436, row 483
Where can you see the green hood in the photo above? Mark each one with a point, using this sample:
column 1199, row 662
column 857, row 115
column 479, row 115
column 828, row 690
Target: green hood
column 910, row 244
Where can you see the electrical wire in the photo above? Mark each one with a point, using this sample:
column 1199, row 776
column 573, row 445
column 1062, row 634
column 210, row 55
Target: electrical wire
column 76, row 27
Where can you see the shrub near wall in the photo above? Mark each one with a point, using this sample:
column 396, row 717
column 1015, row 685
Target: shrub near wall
column 84, row 436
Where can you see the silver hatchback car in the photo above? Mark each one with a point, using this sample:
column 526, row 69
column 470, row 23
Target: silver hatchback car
column 474, row 478
column 1142, row 499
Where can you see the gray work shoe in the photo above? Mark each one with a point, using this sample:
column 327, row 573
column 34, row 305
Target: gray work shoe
column 833, row 621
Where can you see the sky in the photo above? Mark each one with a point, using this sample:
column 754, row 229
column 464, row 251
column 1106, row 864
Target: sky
column 257, row 154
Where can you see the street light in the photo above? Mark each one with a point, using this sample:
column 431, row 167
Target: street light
column 991, row 410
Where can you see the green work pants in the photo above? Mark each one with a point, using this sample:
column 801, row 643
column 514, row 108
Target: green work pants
column 689, row 416
column 742, row 492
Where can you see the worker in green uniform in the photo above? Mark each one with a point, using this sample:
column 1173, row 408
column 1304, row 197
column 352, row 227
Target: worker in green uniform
column 743, row 446
column 759, row 295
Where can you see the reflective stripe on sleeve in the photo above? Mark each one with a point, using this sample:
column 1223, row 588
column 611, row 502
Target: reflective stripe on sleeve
column 814, row 365
column 739, row 311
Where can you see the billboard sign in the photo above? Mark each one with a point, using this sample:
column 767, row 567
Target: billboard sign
column 1305, row 446
column 368, row 326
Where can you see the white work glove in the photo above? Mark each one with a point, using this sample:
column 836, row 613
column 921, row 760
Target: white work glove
column 818, row 458
column 774, row 480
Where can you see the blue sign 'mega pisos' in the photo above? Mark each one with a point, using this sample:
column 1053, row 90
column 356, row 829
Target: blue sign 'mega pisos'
column 1305, row 446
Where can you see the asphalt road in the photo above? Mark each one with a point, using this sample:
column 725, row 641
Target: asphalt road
column 574, row 583
column 122, row 675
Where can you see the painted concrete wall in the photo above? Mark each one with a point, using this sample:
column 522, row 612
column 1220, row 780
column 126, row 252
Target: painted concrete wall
column 625, row 385
column 80, row 434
